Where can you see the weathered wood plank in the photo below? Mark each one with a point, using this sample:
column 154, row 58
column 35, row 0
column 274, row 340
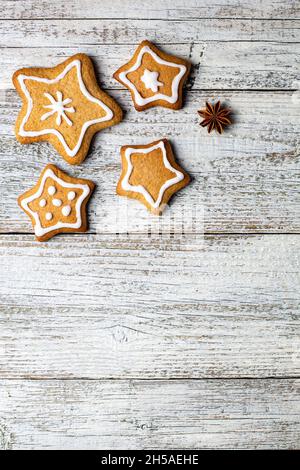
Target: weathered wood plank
column 217, row 65
column 76, row 33
column 169, row 9
column 88, row 306
column 235, row 414
column 243, row 181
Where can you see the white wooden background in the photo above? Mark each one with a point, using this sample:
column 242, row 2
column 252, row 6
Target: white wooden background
column 137, row 341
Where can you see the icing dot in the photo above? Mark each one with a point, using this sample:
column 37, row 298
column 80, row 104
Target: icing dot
column 66, row 211
column 51, row 190
column 49, row 216
column 43, row 202
column 71, row 195
column 56, row 202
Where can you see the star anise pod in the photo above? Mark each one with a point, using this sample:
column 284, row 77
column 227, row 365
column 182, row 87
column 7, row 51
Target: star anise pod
column 214, row 117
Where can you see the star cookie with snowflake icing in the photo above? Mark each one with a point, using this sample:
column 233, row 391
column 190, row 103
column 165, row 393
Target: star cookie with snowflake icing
column 57, row 203
column 64, row 106
column 150, row 174
column 154, row 78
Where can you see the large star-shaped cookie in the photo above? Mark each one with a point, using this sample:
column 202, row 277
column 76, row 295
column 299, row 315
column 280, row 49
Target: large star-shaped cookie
column 63, row 105
column 150, row 174
column 57, row 204
column 154, row 78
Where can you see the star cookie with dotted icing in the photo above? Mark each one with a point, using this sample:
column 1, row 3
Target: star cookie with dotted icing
column 154, row 78
column 150, row 174
column 64, row 106
column 57, row 204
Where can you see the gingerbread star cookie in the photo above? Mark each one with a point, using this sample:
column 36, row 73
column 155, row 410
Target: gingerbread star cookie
column 154, row 78
column 150, row 174
column 63, row 105
column 57, row 204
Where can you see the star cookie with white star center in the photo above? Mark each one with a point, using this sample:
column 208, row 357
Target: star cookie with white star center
column 64, row 106
column 57, row 203
column 150, row 174
column 154, row 78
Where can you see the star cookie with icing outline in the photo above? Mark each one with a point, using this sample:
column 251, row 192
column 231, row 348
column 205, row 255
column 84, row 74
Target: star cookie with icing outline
column 64, row 106
column 57, row 203
column 150, row 174
column 154, row 78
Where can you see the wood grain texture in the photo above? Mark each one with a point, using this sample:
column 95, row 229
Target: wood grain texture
column 85, row 306
column 169, row 9
column 235, row 414
column 216, row 64
column 244, row 180
column 78, row 33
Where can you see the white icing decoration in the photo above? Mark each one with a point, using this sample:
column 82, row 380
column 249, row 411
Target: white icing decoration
column 71, row 195
column 39, row 230
column 66, row 210
column 140, row 189
column 58, row 107
column 150, row 80
column 43, row 203
column 70, row 152
column 56, row 202
column 51, row 190
column 159, row 96
column 49, row 216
